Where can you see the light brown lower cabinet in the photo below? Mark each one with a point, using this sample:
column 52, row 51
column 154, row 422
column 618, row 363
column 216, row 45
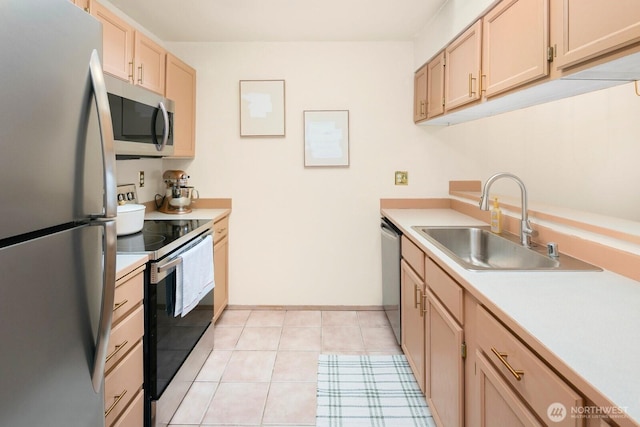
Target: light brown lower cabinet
column 530, row 378
column 412, row 320
column 498, row 404
column 124, row 366
column 221, row 266
column 444, row 344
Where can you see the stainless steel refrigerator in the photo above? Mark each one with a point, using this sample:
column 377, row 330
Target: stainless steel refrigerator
column 57, row 232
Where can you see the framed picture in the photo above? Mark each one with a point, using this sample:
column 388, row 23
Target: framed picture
column 262, row 108
column 326, row 138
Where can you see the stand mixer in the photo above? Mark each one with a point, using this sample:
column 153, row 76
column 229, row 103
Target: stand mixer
column 178, row 196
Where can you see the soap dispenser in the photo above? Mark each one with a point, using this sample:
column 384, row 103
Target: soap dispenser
column 496, row 217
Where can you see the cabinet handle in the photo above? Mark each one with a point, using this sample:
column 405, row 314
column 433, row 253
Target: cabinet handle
column 120, row 304
column 503, row 356
column 130, row 76
column 118, row 397
column 483, row 83
column 424, row 304
column 221, row 230
column 471, row 79
column 421, row 108
column 140, row 74
column 116, row 350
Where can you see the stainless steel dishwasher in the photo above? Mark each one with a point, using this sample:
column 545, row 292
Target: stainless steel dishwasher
column 391, row 253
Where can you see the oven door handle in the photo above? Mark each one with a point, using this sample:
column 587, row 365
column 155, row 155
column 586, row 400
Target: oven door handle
column 157, row 270
column 170, row 264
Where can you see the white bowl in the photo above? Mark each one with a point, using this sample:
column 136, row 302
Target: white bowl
column 130, row 219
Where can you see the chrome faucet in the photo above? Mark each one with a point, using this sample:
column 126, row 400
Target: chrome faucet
column 525, row 227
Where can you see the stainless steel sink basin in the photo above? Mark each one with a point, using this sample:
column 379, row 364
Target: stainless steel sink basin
column 477, row 248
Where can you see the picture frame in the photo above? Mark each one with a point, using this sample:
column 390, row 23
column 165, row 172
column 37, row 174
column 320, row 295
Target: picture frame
column 262, row 108
column 326, row 138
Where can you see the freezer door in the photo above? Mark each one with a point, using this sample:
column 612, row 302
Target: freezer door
column 49, row 313
column 51, row 164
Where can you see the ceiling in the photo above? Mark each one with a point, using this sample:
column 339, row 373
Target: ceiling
column 281, row 20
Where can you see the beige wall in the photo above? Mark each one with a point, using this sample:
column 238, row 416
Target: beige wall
column 309, row 236
column 580, row 153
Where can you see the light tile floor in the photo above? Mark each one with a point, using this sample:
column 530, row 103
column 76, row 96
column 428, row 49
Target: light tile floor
column 259, row 367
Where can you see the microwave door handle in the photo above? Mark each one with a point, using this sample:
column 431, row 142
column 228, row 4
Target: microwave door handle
column 108, row 298
column 165, row 128
column 106, row 136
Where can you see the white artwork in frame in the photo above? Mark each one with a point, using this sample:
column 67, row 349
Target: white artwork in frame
column 262, row 108
column 326, row 138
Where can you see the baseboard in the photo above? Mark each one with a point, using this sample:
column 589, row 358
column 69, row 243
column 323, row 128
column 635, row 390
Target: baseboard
column 307, row 307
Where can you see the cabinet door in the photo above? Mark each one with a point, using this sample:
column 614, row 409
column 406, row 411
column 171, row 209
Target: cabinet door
column 462, row 73
column 515, row 38
column 221, row 290
column 117, row 43
column 150, row 61
column 412, row 321
column 181, row 88
column 499, row 406
column 445, row 367
column 435, row 86
column 585, row 29
column 420, row 94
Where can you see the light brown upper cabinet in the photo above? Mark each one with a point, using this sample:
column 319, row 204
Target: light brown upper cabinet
column 435, row 86
column 149, row 59
column 420, row 94
column 462, row 71
column 515, row 41
column 586, row 29
column 129, row 54
column 117, row 43
column 181, row 88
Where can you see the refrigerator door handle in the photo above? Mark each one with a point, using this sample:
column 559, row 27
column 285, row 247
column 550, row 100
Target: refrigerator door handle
column 108, row 297
column 106, row 135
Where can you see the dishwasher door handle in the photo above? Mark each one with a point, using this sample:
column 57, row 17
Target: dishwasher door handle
column 389, row 231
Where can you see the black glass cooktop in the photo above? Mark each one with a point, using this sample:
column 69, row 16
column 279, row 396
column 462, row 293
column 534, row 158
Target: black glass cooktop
column 161, row 236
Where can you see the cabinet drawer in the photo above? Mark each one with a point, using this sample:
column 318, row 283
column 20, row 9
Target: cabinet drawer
column 124, row 336
column 128, row 295
column 221, row 229
column 122, row 384
column 413, row 255
column 133, row 416
column 538, row 385
column 445, row 288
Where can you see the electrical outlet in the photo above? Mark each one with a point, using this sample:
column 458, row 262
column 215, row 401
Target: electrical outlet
column 141, row 179
column 402, row 178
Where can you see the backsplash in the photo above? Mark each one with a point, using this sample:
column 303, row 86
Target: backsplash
column 127, row 173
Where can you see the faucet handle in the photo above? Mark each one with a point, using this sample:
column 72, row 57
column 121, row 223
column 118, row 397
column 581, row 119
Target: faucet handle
column 552, row 249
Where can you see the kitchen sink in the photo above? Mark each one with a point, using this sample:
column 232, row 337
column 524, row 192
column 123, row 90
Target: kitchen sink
column 478, row 249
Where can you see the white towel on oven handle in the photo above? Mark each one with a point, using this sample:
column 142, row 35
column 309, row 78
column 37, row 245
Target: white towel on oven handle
column 194, row 276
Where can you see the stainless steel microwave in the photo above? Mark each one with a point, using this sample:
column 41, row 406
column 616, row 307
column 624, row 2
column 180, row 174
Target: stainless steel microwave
column 142, row 120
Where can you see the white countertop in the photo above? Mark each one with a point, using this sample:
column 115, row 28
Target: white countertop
column 590, row 321
column 127, row 262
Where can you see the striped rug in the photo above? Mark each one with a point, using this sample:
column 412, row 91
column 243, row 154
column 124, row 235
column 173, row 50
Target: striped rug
column 363, row 391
